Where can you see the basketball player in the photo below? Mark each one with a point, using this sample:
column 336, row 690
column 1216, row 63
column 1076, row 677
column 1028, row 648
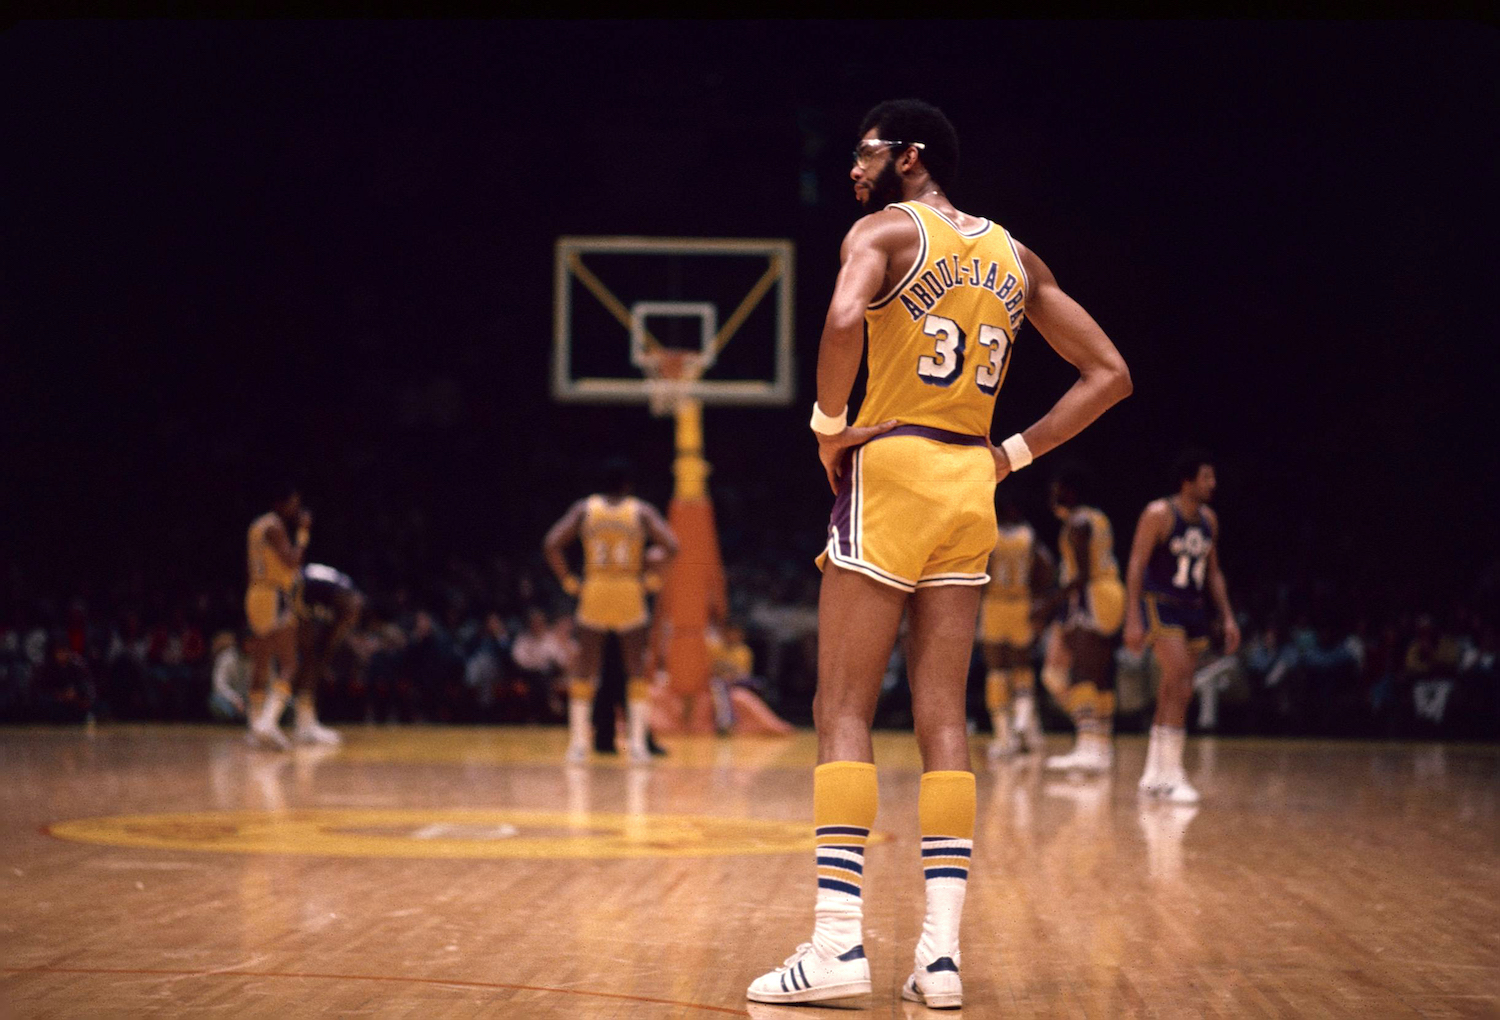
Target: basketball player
column 1018, row 567
column 1173, row 557
column 942, row 294
column 327, row 607
column 274, row 561
column 1078, row 668
column 613, row 527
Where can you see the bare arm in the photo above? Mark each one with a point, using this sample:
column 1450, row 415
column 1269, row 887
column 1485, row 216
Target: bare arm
column 559, row 536
column 660, row 531
column 1103, row 378
column 1155, row 524
column 276, row 538
column 866, row 255
column 1218, row 589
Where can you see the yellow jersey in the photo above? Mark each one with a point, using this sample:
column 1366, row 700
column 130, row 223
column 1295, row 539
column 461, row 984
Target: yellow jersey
column 266, row 567
column 1101, row 550
column 940, row 340
column 1010, row 563
column 614, row 537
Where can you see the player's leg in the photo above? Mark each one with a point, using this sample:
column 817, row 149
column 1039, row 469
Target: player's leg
column 281, row 646
column 1164, row 776
column 857, row 623
column 581, row 691
column 997, row 700
column 1057, row 664
column 1024, row 715
column 637, row 691
column 1091, row 698
column 938, row 666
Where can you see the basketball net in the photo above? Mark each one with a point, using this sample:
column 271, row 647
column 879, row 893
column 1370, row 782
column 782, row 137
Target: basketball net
column 670, row 374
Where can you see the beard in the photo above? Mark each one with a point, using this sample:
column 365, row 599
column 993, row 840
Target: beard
column 884, row 189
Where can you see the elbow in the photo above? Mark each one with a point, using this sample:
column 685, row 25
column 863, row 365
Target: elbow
column 1121, row 385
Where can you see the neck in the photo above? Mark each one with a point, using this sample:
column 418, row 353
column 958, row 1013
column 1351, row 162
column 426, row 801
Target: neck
column 925, row 187
column 1188, row 504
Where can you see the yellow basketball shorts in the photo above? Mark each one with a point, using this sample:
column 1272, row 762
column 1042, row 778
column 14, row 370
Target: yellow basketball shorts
column 1100, row 607
column 267, row 609
column 612, row 603
column 1006, row 622
column 916, row 509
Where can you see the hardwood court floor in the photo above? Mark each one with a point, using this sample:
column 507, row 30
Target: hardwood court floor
column 170, row 871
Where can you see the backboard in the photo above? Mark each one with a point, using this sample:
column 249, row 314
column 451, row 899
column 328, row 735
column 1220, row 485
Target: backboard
column 619, row 300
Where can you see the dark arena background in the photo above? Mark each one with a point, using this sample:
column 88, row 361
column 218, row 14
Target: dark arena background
column 240, row 256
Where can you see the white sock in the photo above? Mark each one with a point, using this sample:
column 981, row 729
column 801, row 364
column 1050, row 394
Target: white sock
column 307, row 715
column 637, row 714
column 1001, row 722
column 1170, row 762
column 1153, row 752
column 270, row 712
column 1025, row 711
column 947, row 884
column 579, row 711
column 839, row 911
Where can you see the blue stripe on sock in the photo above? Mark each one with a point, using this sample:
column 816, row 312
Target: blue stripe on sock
column 953, row 851
column 837, row 886
column 839, row 862
column 841, row 830
column 939, row 873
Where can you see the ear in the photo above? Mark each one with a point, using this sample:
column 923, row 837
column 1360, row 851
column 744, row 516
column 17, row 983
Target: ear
column 908, row 161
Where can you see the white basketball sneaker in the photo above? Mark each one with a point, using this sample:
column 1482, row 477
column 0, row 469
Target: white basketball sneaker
column 1089, row 755
column 314, row 732
column 1171, row 790
column 936, row 985
column 808, row 977
column 263, row 734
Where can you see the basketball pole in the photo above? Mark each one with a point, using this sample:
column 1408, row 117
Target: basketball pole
column 693, row 594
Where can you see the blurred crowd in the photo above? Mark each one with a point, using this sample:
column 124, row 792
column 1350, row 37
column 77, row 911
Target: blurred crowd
column 494, row 645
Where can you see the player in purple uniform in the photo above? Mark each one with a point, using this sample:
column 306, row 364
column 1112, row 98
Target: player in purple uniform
column 1173, row 559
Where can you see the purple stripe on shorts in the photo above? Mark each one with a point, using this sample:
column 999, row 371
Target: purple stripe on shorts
column 840, row 524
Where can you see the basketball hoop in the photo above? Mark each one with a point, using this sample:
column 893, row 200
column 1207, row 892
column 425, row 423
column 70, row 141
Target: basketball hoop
column 670, row 374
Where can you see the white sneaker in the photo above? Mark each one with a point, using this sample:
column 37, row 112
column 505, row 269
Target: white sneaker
column 936, row 985
column 1004, row 747
column 316, row 733
column 808, row 977
column 1084, row 759
column 267, row 736
column 577, row 755
column 1169, row 790
column 640, row 756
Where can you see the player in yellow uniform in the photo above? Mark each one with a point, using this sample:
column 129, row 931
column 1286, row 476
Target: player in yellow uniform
column 613, row 527
column 941, row 295
column 274, row 561
column 1078, row 668
column 1019, row 567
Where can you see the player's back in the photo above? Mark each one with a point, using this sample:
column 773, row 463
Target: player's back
column 1010, row 563
column 614, row 536
column 1101, row 546
column 940, row 339
column 265, row 564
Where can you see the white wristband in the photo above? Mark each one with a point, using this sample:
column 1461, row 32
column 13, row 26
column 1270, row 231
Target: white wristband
column 827, row 425
column 1017, row 452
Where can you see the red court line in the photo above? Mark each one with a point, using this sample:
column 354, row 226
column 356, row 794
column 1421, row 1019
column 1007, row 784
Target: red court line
column 366, row 977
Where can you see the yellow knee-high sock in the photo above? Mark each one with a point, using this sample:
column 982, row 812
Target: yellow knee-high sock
column 844, row 798
column 945, row 809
